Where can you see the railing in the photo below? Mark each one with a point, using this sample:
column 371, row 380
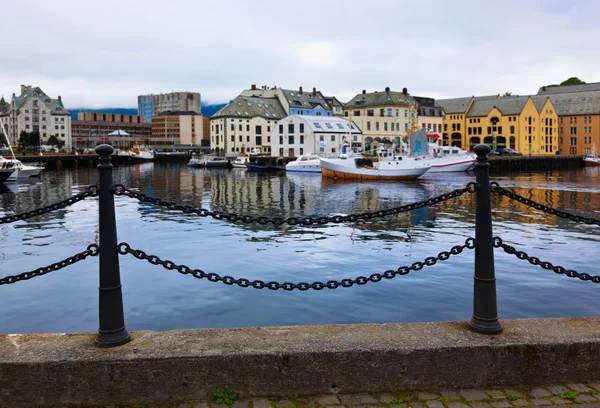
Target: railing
column 112, row 330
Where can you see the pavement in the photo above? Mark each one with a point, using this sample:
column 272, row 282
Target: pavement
column 561, row 395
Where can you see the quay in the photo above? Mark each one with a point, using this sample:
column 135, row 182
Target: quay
column 59, row 161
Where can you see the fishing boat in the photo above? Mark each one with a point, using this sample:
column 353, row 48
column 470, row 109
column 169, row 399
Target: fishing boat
column 449, row 159
column 592, row 159
column 307, row 163
column 391, row 166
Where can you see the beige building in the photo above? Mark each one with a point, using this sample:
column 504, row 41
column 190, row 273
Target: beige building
column 429, row 115
column 92, row 128
column 178, row 129
column 244, row 124
column 383, row 117
column 152, row 105
column 34, row 111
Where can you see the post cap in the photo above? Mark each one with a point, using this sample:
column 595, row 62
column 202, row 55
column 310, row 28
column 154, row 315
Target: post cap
column 482, row 149
column 104, row 150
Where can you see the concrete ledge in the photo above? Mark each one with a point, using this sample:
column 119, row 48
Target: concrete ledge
column 68, row 370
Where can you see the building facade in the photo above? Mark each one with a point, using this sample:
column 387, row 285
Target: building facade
column 429, row 115
column 151, row 105
column 294, row 102
column 244, row 124
column 528, row 124
column 578, row 108
column 34, row 111
column 92, row 128
column 383, row 117
column 296, row 135
column 178, row 129
column 336, row 106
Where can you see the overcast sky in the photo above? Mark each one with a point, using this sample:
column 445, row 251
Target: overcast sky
column 104, row 53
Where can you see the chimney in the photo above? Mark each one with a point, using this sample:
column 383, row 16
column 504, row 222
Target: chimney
column 253, row 87
column 23, row 88
column 364, row 91
column 314, row 91
column 543, row 89
column 387, row 88
column 300, row 90
column 405, row 91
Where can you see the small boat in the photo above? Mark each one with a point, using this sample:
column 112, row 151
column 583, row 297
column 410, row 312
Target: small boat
column 389, row 167
column 592, row 159
column 448, row 159
column 308, row 163
column 195, row 162
column 141, row 153
column 240, row 162
column 7, row 168
column 220, row 162
column 20, row 170
column 266, row 167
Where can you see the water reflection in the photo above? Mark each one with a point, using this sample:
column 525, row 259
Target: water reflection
column 158, row 299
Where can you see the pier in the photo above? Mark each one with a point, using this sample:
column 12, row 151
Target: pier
column 114, row 366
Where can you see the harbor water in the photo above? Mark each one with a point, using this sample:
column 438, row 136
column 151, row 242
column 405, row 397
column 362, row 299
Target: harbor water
column 158, row 299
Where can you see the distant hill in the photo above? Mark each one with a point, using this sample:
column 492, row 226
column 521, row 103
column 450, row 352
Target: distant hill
column 207, row 110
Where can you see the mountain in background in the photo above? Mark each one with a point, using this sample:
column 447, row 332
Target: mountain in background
column 207, row 110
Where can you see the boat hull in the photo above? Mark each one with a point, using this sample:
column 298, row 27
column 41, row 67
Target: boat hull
column 4, row 175
column 264, row 169
column 465, row 165
column 331, row 168
column 238, row 165
column 216, row 164
column 592, row 161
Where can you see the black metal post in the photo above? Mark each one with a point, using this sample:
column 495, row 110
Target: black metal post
column 485, row 310
column 112, row 331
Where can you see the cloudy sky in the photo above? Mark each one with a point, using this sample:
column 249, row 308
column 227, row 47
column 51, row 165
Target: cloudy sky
column 104, row 53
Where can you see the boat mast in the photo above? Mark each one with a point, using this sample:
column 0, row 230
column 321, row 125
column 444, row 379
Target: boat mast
column 5, row 133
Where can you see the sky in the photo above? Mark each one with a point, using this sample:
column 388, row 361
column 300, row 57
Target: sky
column 99, row 54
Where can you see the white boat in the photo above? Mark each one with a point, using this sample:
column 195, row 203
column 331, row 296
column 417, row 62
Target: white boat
column 7, row 168
column 448, row 159
column 240, row 162
column 306, row 163
column 208, row 161
column 141, row 153
column 592, row 159
column 390, row 166
column 24, row 171
column 195, row 162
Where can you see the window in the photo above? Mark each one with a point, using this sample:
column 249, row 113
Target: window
column 368, row 125
column 62, row 119
column 291, row 139
column 56, row 127
column 232, row 138
column 573, row 130
column 232, row 127
column 301, row 127
column 389, row 112
column 291, row 128
column 240, row 128
column 397, row 112
column 406, row 127
column 247, row 128
column 339, row 125
column 241, row 138
column 281, row 151
column 385, row 127
column 268, row 139
column 377, row 126
column 280, row 129
column 381, row 112
column 573, row 141
column 62, row 127
column 26, row 126
column 356, row 113
column 370, row 112
column 301, row 139
column 318, row 125
column 280, row 140
column 405, row 113
column 397, row 127
column 333, row 138
column 258, row 130
column 301, row 151
column 248, row 138
column 321, row 138
column 333, row 150
column 328, row 125
column 259, row 140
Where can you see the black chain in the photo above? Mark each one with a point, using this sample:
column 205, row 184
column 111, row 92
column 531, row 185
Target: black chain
column 495, row 187
column 545, row 265
column 92, row 250
column 125, row 248
column 90, row 192
column 218, row 215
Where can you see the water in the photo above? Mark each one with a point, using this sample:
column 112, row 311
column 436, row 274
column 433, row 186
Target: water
column 157, row 299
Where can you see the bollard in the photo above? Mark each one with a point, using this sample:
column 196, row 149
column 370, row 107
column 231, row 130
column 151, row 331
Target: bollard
column 485, row 310
column 112, row 331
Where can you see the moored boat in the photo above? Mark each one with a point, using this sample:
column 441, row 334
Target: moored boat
column 141, row 153
column 240, row 162
column 266, row 166
column 449, row 159
column 309, row 163
column 592, row 159
column 210, row 162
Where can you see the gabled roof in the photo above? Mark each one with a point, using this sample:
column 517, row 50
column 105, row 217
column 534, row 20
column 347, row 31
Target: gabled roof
column 509, row 105
column 385, row 98
column 455, row 105
column 306, row 100
column 55, row 106
column 252, row 106
column 539, row 101
column 557, row 89
column 333, row 101
column 576, row 103
column 328, row 124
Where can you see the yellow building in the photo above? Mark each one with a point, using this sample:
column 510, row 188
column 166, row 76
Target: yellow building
column 524, row 123
column 178, row 128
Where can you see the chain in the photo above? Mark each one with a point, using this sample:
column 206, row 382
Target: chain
column 495, row 187
column 124, row 248
column 92, row 191
column 92, row 250
column 545, row 265
column 119, row 190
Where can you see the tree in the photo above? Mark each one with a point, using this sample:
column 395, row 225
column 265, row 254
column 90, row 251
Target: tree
column 507, row 93
column 29, row 141
column 56, row 142
column 572, row 81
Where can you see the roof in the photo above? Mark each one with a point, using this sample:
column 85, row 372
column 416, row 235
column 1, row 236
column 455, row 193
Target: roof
column 54, row 105
column 509, row 105
column 557, row 89
column 428, row 107
column 455, row 105
column 252, row 106
column 328, row 124
column 576, row 103
column 333, row 101
column 305, row 99
column 385, row 98
column 539, row 101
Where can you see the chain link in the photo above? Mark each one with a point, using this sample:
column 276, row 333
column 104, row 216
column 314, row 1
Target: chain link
column 120, row 190
column 124, row 249
column 495, row 187
column 92, row 191
column 534, row 260
column 92, row 250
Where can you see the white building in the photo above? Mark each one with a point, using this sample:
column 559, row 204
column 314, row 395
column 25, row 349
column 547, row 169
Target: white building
column 32, row 111
column 299, row 134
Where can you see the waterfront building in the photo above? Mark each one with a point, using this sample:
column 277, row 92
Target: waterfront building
column 33, row 110
column 245, row 123
column 92, row 128
column 429, row 115
column 578, row 109
column 294, row 102
column 336, row 106
column 525, row 123
column 151, row 105
column 296, row 135
column 383, row 117
column 179, row 129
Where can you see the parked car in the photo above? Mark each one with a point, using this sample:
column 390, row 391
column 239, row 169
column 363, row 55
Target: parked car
column 508, row 152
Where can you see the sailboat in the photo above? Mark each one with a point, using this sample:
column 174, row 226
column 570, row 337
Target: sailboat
column 19, row 170
column 592, row 159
